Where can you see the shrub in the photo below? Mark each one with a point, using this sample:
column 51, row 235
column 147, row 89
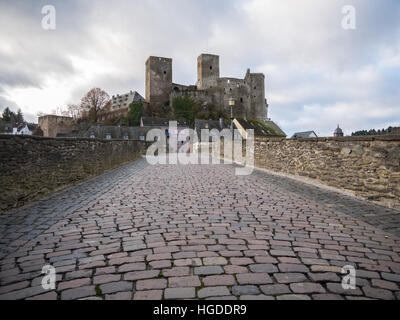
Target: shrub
column 134, row 114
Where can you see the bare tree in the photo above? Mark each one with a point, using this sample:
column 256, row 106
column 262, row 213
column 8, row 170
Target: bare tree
column 94, row 101
column 73, row 111
column 58, row 111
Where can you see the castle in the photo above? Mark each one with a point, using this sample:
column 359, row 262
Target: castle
column 211, row 89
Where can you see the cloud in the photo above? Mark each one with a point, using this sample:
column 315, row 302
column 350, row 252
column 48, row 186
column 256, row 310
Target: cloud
column 317, row 74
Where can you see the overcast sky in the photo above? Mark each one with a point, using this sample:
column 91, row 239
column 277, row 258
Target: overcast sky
column 318, row 74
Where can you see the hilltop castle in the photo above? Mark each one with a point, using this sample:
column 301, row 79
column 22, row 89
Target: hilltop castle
column 211, row 89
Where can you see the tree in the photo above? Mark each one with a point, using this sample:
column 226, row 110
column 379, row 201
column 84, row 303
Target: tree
column 73, row 111
column 7, row 115
column 19, row 116
column 373, row 132
column 185, row 108
column 134, row 114
column 94, row 101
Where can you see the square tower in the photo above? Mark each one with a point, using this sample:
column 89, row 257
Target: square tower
column 258, row 106
column 158, row 81
column 207, row 71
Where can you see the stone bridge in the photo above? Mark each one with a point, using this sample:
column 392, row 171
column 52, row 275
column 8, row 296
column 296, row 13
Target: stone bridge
column 199, row 231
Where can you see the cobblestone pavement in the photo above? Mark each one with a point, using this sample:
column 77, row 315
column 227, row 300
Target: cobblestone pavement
column 199, row 231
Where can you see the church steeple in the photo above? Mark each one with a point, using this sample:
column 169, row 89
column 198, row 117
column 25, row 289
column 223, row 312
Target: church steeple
column 338, row 132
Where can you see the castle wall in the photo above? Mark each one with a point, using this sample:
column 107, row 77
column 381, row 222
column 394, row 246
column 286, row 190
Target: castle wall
column 239, row 91
column 201, row 96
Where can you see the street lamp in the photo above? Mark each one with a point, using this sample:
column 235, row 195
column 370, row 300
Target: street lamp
column 232, row 104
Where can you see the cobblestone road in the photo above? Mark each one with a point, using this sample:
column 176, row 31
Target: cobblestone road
column 182, row 232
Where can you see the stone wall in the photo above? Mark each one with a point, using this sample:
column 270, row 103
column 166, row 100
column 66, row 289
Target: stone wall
column 367, row 166
column 32, row 167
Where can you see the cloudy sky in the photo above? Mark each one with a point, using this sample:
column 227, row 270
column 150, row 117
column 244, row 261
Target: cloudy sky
column 317, row 73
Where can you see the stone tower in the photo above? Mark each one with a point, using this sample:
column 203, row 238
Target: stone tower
column 207, row 71
column 257, row 109
column 158, row 81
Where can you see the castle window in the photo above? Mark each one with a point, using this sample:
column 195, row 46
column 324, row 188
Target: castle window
column 255, row 88
column 165, row 72
column 210, row 67
column 241, row 99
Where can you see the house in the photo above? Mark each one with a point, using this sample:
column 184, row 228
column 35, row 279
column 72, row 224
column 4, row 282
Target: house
column 119, row 106
column 163, row 124
column 108, row 133
column 261, row 128
column 24, row 129
column 304, row 135
column 211, row 125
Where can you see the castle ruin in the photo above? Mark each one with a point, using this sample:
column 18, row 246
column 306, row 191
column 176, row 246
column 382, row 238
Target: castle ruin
column 211, row 89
